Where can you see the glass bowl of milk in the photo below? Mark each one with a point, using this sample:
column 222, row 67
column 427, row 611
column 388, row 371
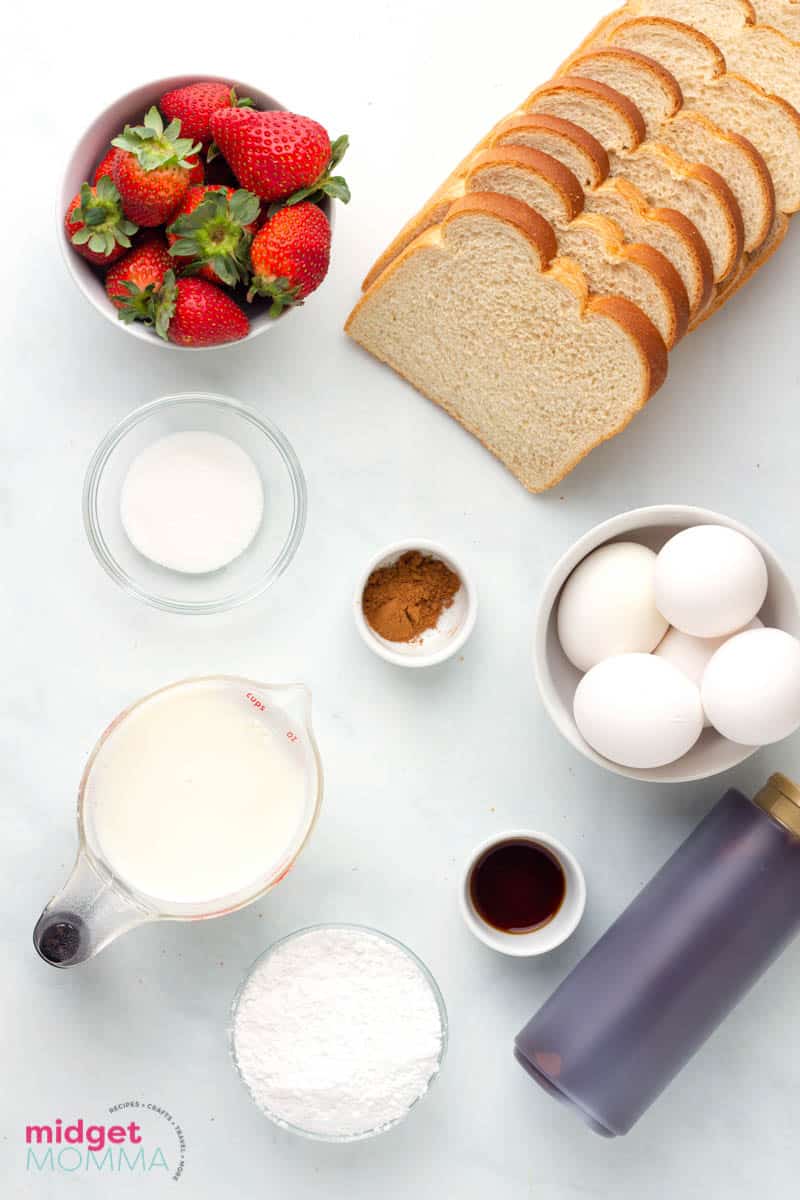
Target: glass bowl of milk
column 194, row 503
column 196, row 801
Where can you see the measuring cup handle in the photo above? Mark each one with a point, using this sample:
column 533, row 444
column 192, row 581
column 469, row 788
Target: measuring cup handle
column 87, row 914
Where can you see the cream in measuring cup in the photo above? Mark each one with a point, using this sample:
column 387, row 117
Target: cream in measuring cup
column 195, row 801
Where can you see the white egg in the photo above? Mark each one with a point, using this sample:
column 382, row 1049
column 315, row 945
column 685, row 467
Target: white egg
column 710, row 580
column 608, row 607
column 638, row 710
column 751, row 687
column 692, row 655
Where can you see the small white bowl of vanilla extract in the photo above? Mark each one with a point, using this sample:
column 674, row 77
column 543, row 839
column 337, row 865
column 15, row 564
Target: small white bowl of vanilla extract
column 523, row 893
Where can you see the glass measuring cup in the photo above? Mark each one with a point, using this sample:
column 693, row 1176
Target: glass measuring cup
column 111, row 888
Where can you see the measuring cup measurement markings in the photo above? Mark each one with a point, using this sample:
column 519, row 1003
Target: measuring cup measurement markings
column 261, row 706
column 155, row 841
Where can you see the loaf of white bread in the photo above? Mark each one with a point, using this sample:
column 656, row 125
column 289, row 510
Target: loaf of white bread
column 534, row 297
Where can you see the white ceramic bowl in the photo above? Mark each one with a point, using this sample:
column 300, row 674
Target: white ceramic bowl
column 447, row 636
column 557, row 678
column 549, row 936
column 91, row 147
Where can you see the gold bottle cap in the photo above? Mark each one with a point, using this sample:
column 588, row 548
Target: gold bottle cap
column 780, row 797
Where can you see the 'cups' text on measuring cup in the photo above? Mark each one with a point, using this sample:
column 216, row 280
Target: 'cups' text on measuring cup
column 195, row 801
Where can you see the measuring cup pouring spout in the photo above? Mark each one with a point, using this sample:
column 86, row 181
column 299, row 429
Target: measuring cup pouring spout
column 88, row 913
column 295, row 700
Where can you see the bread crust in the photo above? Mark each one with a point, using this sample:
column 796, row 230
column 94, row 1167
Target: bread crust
column 658, row 264
column 732, row 211
column 631, row 318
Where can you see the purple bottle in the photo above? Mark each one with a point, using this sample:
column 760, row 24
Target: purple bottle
column 647, row 995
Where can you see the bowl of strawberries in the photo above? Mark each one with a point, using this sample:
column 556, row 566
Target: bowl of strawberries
column 195, row 211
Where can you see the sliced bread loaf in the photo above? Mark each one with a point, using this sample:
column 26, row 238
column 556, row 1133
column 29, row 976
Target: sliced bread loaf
column 731, row 102
column 665, row 179
column 478, row 315
column 638, row 273
column 658, row 96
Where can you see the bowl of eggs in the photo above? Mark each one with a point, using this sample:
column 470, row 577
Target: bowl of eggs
column 666, row 644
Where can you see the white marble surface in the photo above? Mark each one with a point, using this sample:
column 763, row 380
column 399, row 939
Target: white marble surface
column 419, row 765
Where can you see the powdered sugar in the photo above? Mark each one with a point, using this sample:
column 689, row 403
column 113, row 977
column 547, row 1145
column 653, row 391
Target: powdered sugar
column 337, row 1032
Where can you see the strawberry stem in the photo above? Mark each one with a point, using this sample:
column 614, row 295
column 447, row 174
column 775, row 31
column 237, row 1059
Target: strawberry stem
column 334, row 186
column 282, row 293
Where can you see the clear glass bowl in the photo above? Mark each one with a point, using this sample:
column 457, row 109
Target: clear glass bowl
column 265, row 559
column 437, row 995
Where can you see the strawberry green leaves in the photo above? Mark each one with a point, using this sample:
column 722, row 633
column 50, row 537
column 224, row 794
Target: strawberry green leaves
column 135, row 303
column 163, row 305
column 154, row 146
column 281, row 292
column 103, row 225
column 334, row 186
column 214, row 235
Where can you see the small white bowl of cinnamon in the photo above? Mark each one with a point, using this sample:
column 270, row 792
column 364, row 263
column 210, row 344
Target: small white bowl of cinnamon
column 415, row 605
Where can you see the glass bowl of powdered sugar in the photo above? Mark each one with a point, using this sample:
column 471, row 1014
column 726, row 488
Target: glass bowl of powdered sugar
column 194, row 503
column 338, row 1032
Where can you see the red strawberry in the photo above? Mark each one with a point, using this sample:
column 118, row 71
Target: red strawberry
column 131, row 282
column 105, row 166
column 153, row 171
column 290, row 256
column 195, row 104
column 213, row 231
column 278, row 154
column 96, row 225
column 197, row 171
column 191, row 312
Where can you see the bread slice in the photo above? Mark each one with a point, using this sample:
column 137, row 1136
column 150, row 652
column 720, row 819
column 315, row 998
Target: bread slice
column 650, row 86
column 562, row 140
column 667, row 231
column 731, row 102
column 658, row 96
column 783, row 15
column 638, row 273
column 478, row 315
column 662, row 176
column 765, row 56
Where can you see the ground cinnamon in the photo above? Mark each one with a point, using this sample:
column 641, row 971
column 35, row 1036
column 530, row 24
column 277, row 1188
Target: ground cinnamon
column 401, row 601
